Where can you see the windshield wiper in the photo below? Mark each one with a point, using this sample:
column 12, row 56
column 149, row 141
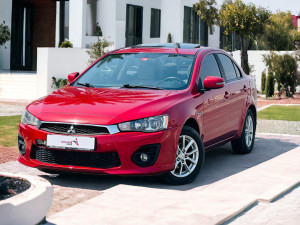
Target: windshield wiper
column 85, row 84
column 140, row 86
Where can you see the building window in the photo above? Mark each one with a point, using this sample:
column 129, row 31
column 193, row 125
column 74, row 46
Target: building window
column 134, row 25
column 191, row 26
column 155, row 23
column 203, row 33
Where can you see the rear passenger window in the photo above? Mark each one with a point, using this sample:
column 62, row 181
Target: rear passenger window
column 238, row 72
column 228, row 67
column 209, row 67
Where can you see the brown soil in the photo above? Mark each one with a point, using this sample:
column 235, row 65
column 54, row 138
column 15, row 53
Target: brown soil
column 263, row 102
column 8, row 154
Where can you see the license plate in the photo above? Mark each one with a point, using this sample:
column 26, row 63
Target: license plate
column 70, row 142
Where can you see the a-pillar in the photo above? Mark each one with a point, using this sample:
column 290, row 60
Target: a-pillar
column 77, row 23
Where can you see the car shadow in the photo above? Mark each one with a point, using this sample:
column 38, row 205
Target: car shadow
column 219, row 164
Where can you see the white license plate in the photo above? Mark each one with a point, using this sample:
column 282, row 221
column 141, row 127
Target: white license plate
column 70, row 142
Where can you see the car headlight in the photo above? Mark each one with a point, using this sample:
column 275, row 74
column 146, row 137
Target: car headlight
column 150, row 124
column 28, row 118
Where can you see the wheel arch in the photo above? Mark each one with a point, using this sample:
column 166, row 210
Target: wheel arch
column 191, row 122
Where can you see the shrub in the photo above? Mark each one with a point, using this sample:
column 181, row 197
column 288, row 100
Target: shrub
column 263, row 82
column 284, row 70
column 98, row 30
column 270, row 85
column 169, row 39
column 4, row 33
column 66, row 44
column 98, row 49
column 58, row 83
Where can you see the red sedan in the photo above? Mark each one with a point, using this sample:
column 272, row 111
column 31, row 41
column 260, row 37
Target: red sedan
column 147, row 109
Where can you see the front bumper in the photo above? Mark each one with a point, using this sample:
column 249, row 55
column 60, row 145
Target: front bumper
column 125, row 144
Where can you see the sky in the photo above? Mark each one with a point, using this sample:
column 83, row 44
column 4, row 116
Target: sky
column 274, row 5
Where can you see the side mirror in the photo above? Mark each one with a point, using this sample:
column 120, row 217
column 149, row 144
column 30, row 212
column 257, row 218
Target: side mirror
column 72, row 77
column 213, row 82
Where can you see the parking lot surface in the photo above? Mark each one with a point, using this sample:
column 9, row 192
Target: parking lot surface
column 227, row 185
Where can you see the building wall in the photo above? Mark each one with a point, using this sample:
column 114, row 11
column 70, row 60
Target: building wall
column 120, row 24
column 256, row 60
column 5, row 15
column 58, row 62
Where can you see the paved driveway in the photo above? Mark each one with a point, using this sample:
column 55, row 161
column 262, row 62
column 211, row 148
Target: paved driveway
column 227, row 185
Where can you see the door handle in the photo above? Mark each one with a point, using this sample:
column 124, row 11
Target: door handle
column 226, row 95
column 245, row 88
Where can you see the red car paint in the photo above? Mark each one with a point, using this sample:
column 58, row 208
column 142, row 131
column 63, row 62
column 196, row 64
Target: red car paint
column 217, row 115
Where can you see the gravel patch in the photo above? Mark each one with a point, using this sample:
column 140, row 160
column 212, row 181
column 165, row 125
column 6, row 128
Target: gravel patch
column 278, row 127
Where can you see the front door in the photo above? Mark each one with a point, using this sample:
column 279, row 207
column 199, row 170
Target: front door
column 134, row 25
column 21, row 36
column 216, row 105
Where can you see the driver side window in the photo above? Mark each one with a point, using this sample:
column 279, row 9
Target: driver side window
column 209, row 68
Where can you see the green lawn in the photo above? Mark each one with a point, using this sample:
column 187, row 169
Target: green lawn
column 9, row 130
column 281, row 112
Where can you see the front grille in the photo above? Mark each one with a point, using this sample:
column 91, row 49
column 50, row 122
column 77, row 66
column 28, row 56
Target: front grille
column 59, row 128
column 76, row 158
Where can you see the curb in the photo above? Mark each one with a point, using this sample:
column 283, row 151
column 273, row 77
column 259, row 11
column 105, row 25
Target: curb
column 250, row 206
column 30, row 206
column 282, row 135
column 267, row 106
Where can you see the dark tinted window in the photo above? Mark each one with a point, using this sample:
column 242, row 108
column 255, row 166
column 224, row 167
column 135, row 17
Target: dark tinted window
column 209, row 67
column 155, row 23
column 238, row 72
column 227, row 66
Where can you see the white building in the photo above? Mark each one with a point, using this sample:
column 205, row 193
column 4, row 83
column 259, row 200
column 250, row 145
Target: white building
column 46, row 23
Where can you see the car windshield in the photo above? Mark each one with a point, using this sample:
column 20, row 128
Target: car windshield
column 140, row 70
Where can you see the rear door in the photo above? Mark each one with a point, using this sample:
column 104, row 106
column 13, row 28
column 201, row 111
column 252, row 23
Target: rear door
column 238, row 92
column 216, row 105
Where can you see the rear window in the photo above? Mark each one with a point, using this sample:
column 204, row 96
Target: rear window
column 164, row 71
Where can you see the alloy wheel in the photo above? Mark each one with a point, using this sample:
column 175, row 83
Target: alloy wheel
column 187, row 156
column 249, row 131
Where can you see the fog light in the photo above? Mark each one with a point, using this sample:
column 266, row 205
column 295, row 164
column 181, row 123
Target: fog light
column 144, row 157
column 21, row 145
column 40, row 142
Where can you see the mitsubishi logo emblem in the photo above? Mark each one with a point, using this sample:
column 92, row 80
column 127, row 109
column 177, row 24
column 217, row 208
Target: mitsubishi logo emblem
column 71, row 130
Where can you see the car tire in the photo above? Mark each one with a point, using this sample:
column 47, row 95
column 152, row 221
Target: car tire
column 189, row 158
column 245, row 143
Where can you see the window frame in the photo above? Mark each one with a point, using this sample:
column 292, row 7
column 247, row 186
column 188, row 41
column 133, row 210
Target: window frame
column 200, row 81
column 223, row 71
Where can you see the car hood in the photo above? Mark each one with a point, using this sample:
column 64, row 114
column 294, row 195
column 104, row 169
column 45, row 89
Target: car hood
column 101, row 105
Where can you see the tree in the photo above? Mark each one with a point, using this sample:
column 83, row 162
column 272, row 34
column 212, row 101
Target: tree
column 284, row 70
column 270, row 85
column 98, row 49
column 207, row 12
column 288, row 74
column 263, row 81
column 247, row 20
column 4, row 33
column 280, row 34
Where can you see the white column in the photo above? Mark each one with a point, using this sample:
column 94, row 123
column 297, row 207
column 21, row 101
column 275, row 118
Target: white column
column 57, row 24
column 77, row 20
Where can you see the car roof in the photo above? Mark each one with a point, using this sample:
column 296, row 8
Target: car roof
column 173, row 48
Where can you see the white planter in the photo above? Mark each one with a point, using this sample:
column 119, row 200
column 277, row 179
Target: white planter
column 28, row 207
